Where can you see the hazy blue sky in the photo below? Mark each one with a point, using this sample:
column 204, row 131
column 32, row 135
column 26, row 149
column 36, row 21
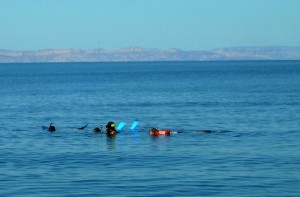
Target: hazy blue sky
column 162, row 24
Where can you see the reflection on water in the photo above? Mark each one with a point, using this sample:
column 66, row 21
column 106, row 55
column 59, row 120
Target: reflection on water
column 111, row 142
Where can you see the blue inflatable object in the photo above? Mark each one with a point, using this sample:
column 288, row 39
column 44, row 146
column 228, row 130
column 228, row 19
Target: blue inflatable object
column 134, row 124
column 120, row 126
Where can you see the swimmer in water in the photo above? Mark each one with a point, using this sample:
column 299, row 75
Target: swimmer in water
column 154, row 131
column 51, row 127
column 110, row 128
column 97, row 129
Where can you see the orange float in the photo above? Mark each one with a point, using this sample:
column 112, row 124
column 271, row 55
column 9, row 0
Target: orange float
column 154, row 131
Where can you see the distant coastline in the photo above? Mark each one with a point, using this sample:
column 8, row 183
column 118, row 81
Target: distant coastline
column 143, row 54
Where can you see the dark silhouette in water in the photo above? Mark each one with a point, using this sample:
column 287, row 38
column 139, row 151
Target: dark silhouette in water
column 51, row 127
column 110, row 128
column 210, row 131
column 97, row 129
column 83, row 127
column 207, row 131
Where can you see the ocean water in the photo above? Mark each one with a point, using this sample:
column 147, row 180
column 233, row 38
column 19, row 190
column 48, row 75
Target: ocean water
column 251, row 107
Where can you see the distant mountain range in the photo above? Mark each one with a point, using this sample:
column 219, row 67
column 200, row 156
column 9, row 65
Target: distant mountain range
column 143, row 54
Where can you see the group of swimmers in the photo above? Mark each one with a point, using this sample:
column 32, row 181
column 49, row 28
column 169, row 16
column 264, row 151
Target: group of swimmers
column 111, row 130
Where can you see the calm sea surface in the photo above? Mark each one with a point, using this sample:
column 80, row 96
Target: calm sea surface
column 252, row 107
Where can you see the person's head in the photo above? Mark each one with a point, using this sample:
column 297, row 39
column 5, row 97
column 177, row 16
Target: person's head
column 51, row 127
column 110, row 128
column 110, row 125
column 153, row 131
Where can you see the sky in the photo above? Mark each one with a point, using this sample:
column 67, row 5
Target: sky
column 159, row 24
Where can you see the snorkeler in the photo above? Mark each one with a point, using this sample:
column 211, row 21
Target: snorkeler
column 154, row 131
column 97, row 129
column 110, row 128
column 51, row 127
